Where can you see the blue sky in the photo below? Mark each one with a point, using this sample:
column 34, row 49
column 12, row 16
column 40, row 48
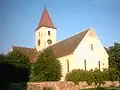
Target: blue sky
column 19, row 19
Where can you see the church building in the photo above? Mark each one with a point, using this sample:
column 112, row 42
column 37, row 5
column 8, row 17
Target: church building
column 81, row 51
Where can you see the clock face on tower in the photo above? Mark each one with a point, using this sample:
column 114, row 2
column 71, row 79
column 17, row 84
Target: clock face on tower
column 49, row 41
column 39, row 42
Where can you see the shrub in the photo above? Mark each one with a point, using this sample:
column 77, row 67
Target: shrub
column 91, row 76
column 76, row 75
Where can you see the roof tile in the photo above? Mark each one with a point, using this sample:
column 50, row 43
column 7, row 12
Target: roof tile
column 30, row 52
column 68, row 45
column 45, row 20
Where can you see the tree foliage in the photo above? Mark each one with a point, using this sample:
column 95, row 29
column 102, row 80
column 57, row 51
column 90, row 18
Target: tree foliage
column 112, row 74
column 114, row 60
column 14, row 68
column 114, row 55
column 47, row 67
column 18, row 59
column 2, row 57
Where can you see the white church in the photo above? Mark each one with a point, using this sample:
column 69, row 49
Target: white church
column 81, row 51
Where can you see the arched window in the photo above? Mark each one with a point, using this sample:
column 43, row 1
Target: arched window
column 67, row 65
column 49, row 33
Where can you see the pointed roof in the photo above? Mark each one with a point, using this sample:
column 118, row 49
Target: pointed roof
column 45, row 20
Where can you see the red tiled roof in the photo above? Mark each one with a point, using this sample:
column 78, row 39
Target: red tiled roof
column 68, row 45
column 30, row 52
column 45, row 20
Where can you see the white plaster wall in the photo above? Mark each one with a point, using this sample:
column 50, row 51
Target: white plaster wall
column 63, row 61
column 44, row 37
column 83, row 51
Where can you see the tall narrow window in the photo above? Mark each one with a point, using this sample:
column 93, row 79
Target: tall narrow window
column 92, row 47
column 48, row 32
column 67, row 65
column 85, row 64
column 99, row 65
column 39, row 33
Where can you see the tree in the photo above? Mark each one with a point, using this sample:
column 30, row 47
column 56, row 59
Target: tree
column 18, row 59
column 114, row 59
column 2, row 57
column 14, row 68
column 19, row 65
column 47, row 67
column 112, row 74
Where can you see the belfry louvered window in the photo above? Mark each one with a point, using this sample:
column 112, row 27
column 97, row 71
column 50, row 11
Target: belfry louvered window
column 49, row 33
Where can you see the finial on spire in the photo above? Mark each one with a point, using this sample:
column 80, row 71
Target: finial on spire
column 45, row 5
column 91, row 27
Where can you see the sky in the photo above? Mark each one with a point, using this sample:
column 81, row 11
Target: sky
column 20, row 18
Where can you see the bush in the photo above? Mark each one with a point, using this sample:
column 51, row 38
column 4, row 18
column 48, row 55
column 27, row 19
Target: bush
column 112, row 74
column 76, row 76
column 91, row 76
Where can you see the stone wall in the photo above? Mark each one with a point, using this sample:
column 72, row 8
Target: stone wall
column 66, row 85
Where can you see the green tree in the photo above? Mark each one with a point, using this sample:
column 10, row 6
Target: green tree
column 112, row 74
column 14, row 69
column 114, row 55
column 18, row 59
column 47, row 67
column 2, row 57
column 114, row 58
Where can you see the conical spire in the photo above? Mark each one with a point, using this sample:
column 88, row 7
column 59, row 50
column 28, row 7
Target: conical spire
column 45, row 20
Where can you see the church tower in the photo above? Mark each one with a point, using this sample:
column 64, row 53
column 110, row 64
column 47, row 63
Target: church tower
column 45, row 34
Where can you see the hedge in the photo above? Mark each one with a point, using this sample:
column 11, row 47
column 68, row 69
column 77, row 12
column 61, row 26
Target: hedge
column 96, row 76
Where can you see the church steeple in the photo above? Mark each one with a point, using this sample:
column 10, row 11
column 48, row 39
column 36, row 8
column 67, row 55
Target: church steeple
column 45, row 20
column 45, row 34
